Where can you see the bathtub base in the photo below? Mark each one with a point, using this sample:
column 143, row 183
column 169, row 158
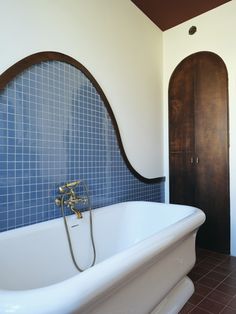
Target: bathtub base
column 157, row 287
column 176, row 298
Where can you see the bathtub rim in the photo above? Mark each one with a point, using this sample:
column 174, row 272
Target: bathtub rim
column 31, row 228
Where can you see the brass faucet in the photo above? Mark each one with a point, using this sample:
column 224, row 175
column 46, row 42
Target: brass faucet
column 72, row 198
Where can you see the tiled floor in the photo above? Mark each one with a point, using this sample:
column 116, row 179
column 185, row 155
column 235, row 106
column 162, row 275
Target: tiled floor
column 214, row 277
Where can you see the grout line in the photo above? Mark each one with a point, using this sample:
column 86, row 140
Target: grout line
column 213, row 289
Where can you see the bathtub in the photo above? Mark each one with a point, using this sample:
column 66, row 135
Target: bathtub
column 144, row 251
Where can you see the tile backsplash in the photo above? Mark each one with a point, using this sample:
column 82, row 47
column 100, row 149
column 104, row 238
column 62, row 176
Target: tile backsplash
column 55, row 128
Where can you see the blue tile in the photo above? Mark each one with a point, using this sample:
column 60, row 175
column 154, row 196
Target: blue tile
column 54, row 129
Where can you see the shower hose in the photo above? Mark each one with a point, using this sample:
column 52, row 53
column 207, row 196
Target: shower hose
column 91, row 231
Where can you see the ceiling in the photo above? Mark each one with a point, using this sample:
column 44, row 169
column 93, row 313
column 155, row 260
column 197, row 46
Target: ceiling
column 169, row 13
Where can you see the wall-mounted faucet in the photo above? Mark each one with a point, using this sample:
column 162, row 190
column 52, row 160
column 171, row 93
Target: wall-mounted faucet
column 69, row 198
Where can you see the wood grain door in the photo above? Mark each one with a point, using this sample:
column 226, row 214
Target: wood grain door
column 211, row 148
column 207, row 175
column 181, row 135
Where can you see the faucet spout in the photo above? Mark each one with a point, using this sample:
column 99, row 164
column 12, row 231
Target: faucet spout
column 77, row 212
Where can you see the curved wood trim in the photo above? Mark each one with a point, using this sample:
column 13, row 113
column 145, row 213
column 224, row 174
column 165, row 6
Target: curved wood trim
column 25, row 63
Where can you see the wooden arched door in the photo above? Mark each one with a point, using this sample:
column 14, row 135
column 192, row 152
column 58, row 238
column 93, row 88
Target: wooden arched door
column 198, row 144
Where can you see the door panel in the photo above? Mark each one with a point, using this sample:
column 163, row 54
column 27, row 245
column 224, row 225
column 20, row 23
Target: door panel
column 198, row 127
column 211, row 146
column 181, row 178
column 181, row 115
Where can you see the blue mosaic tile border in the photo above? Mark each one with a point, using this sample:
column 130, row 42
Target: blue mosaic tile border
column 54, row 128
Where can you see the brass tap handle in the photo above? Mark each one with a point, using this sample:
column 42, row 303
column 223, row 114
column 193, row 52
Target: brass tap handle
column 58, row 201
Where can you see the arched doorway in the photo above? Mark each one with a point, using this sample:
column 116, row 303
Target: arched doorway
column 199, row 144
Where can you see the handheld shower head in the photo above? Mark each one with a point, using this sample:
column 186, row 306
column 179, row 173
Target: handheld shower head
column 68, row 186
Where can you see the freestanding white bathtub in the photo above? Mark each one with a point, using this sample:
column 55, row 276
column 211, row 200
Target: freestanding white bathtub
column 144, row 251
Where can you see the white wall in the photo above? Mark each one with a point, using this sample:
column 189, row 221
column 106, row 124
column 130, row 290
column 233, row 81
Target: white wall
column 216, row 33
column 118, row 44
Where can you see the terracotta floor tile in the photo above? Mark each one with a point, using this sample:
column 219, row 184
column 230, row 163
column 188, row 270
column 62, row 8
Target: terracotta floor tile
column 227, row 289
column 220, row 297
column 232, row 304
column 212, row 260
column 202, row 290
column 219, row 256
column 222, row 270
column 228, row 310
column 201, row 270
column 207, row 265
column 198, row 310
column 211, row 306
column 216, row 276
column 196, row 298
column 228, row 265
column 211, row 283
column 231, row 281
column 231, row 260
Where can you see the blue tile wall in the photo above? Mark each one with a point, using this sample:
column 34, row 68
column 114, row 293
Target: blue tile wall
column 55, row 128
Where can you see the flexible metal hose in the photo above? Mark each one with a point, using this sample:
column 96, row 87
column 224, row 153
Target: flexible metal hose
column 91, row 231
